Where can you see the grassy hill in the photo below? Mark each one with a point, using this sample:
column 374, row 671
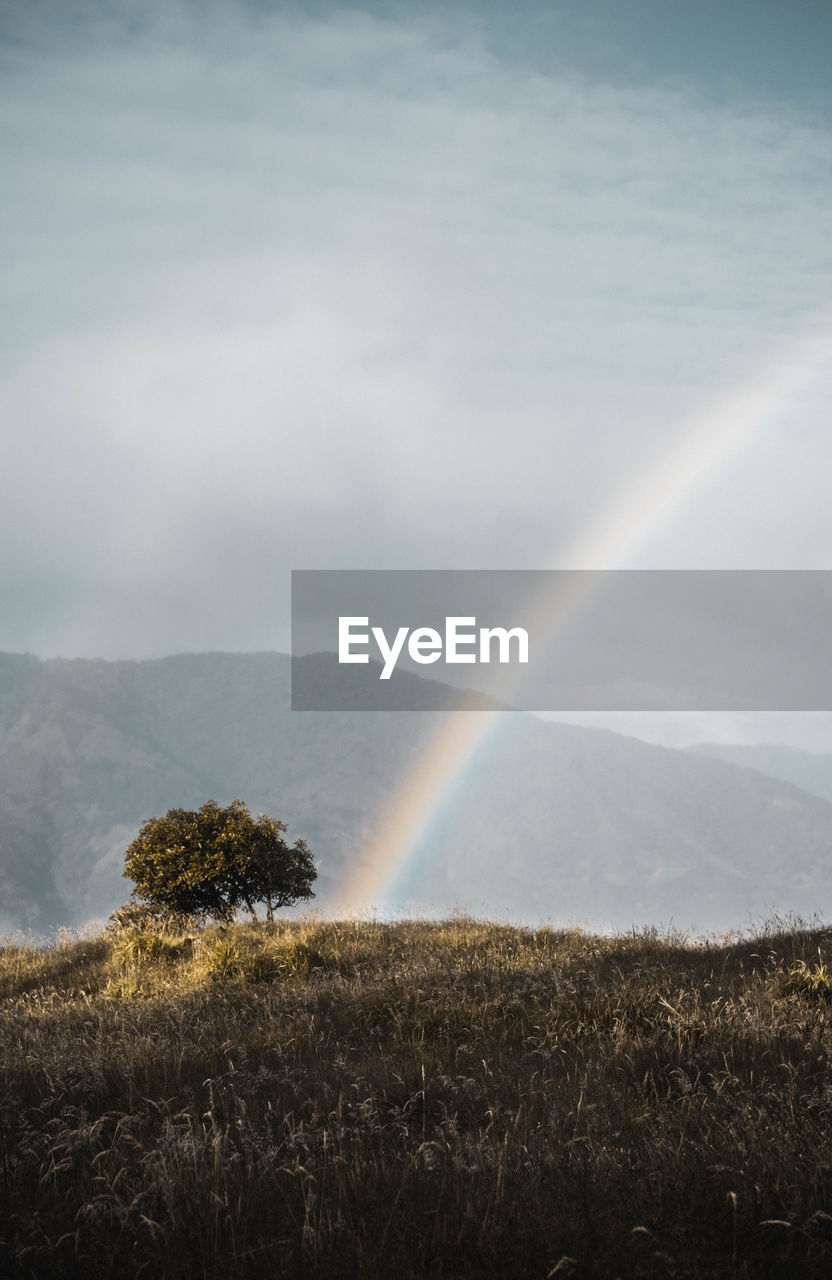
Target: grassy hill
column 418, row 1099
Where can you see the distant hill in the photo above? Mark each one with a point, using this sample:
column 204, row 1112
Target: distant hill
column 549, row 822
column 811, row 771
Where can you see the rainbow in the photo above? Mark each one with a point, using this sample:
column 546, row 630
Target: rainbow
column 702, row 446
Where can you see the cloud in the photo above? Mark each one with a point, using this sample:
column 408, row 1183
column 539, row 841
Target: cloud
column 352, row 290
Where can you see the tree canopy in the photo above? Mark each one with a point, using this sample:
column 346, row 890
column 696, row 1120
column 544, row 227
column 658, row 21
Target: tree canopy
column 212, row 860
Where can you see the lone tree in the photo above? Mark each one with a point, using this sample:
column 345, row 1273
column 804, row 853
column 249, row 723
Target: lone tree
column 211, row 861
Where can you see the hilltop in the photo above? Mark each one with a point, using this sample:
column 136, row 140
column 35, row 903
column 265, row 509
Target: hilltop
column 453, row 1099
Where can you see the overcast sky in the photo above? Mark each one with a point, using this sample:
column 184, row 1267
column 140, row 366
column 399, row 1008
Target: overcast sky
column 395, row 286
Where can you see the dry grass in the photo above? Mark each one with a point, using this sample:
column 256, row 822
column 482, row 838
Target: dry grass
column 452, row 1100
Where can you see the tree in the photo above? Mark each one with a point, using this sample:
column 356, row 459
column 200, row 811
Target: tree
column 210, row 861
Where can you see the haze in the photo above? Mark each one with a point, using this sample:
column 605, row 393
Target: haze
column 393, row 286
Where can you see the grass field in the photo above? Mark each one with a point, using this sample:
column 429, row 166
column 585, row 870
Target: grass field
column 451, row 1099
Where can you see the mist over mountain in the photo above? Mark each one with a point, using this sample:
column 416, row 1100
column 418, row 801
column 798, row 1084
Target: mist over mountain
column 809, row 770
column 549, row 821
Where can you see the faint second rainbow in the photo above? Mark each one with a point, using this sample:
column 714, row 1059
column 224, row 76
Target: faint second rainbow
column 701, row 447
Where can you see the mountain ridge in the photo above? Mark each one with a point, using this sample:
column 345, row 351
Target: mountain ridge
column 548, row 821
column 811, row 771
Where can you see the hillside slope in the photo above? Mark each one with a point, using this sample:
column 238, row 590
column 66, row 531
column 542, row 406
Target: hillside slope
column 809, row 770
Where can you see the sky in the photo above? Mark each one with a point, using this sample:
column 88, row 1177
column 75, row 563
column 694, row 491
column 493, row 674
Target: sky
column 395, row 286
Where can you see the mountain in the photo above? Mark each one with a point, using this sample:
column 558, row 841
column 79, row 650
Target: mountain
column 811, row 771
column 547, row 821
